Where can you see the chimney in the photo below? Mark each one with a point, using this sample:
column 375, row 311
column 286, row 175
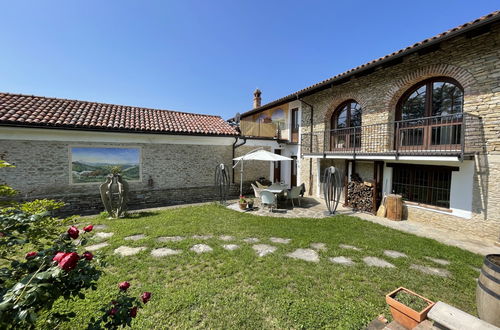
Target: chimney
column 256, row 98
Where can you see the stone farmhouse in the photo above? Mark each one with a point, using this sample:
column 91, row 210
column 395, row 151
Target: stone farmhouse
column 422, row 122
column 62, row 148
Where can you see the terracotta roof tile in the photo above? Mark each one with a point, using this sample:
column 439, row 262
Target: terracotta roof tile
column 38, row 111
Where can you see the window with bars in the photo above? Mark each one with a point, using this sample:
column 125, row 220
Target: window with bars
column 423, row 184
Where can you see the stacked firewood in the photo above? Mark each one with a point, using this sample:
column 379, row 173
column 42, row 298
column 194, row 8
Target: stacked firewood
column 360, row 195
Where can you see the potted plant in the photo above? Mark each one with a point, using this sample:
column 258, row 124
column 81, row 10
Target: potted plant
column 407, row 307
column 243, row 202
column 250, row 203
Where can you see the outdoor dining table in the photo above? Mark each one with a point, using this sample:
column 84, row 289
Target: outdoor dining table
column 276, row 189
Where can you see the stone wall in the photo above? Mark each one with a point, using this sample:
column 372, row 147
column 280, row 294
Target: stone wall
column 478, row 229
column 252, row 169
column 181, row 173
column 473, row 62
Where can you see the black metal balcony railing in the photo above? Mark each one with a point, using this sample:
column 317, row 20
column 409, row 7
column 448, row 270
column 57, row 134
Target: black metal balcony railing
column 453, row 135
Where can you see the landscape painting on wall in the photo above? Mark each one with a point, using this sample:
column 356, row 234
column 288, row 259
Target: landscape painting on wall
column 90, row 165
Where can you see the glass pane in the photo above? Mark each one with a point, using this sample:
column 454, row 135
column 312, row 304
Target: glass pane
column 342, row 118
column 447, row 99
column 411, row 136
column 449, row 134
column 414, row 106
column 355, row 114
column 340, row 142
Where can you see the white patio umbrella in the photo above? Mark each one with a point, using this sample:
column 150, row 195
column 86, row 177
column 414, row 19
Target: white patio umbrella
column 257, row 154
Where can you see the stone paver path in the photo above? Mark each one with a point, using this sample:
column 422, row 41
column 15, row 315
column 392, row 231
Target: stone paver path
column 126, row 251
column 226, row 238
column 202, row 236
column 342, row 260
column 251, row 240
column 431, row 270
column 455, row 233
column 96, row 247
column 377, row 262
column 169, row 239
column 438, row 261
column 201, row 248
column 103, row 235
column 319, row 246
column 100, row 227
column 280, row 240
column 350, row 247
column 395, row 254
column 264, row 249
column 163, row 252
column 305, row 254
column 135, row 237
column 230, row 247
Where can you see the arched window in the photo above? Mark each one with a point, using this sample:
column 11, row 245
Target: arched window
column 433, row 97
column 346, row 126
column 430, row 114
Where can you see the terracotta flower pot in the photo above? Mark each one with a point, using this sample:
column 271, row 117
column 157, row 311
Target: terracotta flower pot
column 243, row 206
column 403, row 314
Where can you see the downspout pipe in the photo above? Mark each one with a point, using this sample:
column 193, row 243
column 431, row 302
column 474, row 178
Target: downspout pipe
column 310, row 143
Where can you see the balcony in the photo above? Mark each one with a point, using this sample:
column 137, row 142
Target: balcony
column 264, row 130
column 451, row 135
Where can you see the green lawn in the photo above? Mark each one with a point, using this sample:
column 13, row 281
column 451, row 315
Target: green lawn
column 237, row 289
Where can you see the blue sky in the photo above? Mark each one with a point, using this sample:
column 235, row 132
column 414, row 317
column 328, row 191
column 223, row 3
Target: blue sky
column 204, row 56
column 106, row 155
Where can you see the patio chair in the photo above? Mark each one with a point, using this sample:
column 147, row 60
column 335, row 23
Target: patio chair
column 261, row 186
column 268, row 198
column 294, row 193
column 302, row 189
column 256, row 191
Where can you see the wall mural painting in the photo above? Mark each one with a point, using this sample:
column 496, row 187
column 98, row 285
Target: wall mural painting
column 91, row 165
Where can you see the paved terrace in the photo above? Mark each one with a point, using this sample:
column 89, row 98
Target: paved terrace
column 475, row 236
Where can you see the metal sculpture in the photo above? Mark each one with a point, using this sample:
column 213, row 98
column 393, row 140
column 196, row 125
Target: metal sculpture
column 332, row 188
column 222, row 182
column 114, row 195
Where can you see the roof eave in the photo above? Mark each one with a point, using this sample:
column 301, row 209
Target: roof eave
column 114, row 130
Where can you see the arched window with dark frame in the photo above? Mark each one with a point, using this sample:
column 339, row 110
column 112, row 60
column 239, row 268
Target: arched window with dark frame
column 345, row 125
column 429, row 115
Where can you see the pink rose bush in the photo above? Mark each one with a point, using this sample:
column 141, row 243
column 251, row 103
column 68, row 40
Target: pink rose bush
column 56, row 271
column 121, row 310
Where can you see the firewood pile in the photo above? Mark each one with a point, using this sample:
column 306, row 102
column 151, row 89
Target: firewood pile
column 360, row 195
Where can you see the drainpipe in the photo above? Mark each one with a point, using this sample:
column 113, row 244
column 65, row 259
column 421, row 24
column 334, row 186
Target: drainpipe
column 234, row 151
column 311, row 144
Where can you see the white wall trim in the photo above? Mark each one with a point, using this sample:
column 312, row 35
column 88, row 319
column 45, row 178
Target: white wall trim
column 45, row 134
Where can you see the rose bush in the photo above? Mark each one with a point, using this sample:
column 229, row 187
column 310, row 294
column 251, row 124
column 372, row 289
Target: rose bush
column 121, row 310
column 30, row 286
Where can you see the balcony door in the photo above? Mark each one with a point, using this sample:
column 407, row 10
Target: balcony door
column 429, row 116
column 277, row 167
column 345, row 133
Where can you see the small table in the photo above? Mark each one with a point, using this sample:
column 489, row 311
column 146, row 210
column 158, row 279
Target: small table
column 276, row 190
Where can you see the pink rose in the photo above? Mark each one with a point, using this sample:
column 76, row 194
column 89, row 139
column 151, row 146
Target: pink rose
column 145, row 297
column 87, row 255
column 88, row 228
column 124, row 286
column 73, row 232
column 69, row 261
column 113, row 311
column 31, row 255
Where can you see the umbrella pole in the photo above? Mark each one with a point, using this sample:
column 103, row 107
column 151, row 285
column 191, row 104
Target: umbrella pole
column 241, row 179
